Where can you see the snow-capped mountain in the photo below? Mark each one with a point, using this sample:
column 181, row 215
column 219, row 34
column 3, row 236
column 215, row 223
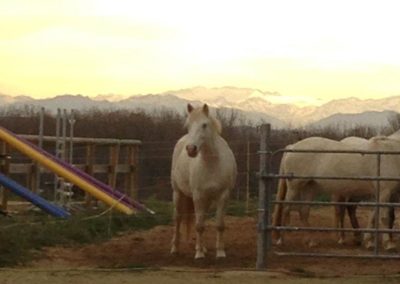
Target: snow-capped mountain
column 252, row 105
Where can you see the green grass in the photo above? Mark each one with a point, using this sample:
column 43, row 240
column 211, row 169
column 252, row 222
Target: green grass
column 22, row 236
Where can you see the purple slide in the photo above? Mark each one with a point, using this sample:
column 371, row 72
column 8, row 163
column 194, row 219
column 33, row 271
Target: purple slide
column 104, row 187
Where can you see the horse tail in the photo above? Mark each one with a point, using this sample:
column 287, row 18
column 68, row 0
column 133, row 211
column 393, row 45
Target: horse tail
column 278, row 208
column 186, row 210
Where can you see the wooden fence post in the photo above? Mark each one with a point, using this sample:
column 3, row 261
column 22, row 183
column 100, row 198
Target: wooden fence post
column 131, row 177
column 5, row 169
column 113, row 163
column 89, row 161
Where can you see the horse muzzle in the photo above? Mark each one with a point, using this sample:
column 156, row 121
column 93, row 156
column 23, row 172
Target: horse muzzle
column 192, row 150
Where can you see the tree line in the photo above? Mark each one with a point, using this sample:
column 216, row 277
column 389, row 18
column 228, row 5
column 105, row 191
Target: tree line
column 160, row 131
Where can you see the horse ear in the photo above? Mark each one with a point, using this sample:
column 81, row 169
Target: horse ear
column 205, row 109
column 189, row 108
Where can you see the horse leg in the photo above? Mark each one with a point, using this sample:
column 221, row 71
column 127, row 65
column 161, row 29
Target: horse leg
column 369, row 244
column 290, row 196
column 177, row 220
column 200, row 220
column 351, row 211
column 339, row 211
column 387, row 239
column 388, row 220
column 304, row 216
column 220, row 246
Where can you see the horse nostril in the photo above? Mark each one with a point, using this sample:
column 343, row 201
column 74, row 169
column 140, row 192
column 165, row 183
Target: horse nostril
column 192, row 150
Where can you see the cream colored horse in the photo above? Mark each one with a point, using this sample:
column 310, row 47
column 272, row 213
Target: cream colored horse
column 346, row 165
column 203, row 174
column 304, row 210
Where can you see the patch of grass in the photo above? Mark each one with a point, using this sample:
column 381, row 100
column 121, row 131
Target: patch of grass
column 238, row 208
column 23, row 236
column 302, row 272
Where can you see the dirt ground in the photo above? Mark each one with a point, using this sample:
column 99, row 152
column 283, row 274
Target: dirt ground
column 149, row 251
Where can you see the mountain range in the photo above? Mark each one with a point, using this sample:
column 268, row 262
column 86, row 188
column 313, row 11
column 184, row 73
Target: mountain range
column 253, row 106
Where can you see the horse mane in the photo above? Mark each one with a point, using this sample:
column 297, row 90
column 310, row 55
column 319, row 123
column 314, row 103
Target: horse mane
column 217, row 124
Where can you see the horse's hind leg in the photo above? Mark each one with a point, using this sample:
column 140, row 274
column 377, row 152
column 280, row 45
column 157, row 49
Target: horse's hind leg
column 304, row 216
column 290, row 196
column 220, row 246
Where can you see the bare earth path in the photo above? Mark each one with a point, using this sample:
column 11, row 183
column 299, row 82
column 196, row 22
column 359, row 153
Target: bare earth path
column 143, row 257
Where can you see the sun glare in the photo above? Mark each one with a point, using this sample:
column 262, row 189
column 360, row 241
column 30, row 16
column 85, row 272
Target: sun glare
column 298, row 48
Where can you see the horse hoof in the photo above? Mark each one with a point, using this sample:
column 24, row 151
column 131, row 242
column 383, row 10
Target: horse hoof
column 199, row 255
column 390, row 246
column 341, row 241
column 369, row 245
column 174, row 250
column 312, row 244
column 279, row 242
column 221, row 254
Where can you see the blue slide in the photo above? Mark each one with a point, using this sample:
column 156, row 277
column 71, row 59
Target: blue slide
column 33, row 198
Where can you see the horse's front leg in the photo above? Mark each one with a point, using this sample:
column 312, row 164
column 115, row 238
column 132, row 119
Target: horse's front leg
column 351, row 210
column 387, row 239
column 387, row 220
column 368, row 242
column 220, row 224
column 339, row 218
column 177, row 219
column 200, row 220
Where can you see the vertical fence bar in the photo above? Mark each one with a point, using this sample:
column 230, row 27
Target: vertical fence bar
column 377, row 207
column 89, row 169
column 71, row 137
column 247, row 174
column 57, row 151
column 262, row 238
column 5, row 169
column 40, row 144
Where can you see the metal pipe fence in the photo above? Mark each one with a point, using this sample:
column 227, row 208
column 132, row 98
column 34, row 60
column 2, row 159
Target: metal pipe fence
column 265, row 203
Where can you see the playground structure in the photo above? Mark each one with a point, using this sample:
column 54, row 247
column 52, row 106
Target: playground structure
column 69, row 174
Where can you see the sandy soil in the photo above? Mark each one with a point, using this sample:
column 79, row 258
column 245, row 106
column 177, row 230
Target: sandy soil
column 143, row 257
column 150, row 249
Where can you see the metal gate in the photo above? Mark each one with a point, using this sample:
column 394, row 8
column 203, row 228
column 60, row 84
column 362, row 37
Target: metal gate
column 265, row 203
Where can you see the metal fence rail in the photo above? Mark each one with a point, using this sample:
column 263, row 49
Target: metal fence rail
column 266, row 178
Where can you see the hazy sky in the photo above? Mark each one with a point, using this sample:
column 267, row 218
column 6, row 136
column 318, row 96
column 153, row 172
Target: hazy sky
column 318, row 49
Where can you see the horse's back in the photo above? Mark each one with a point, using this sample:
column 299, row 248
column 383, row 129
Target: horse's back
column 327, row 164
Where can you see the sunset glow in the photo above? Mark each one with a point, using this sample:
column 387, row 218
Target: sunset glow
column 315, row 49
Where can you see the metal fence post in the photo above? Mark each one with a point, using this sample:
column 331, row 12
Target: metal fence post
column 263, row 214
column 378, row 200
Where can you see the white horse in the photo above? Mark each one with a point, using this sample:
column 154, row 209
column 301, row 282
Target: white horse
column 334, row 164
column 203, row 174
column 304, row 210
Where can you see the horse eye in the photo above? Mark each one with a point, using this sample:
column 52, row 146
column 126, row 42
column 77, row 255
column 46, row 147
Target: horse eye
column 204, row 125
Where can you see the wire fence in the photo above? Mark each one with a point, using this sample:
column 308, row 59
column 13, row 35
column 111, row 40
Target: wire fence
column 268, row 177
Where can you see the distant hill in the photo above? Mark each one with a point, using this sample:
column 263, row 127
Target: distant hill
column 342, row 121
column 252, row 105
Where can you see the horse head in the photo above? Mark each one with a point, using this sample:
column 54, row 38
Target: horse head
column 202, row 129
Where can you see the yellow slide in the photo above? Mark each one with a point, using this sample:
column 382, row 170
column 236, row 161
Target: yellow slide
column 63, row 172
